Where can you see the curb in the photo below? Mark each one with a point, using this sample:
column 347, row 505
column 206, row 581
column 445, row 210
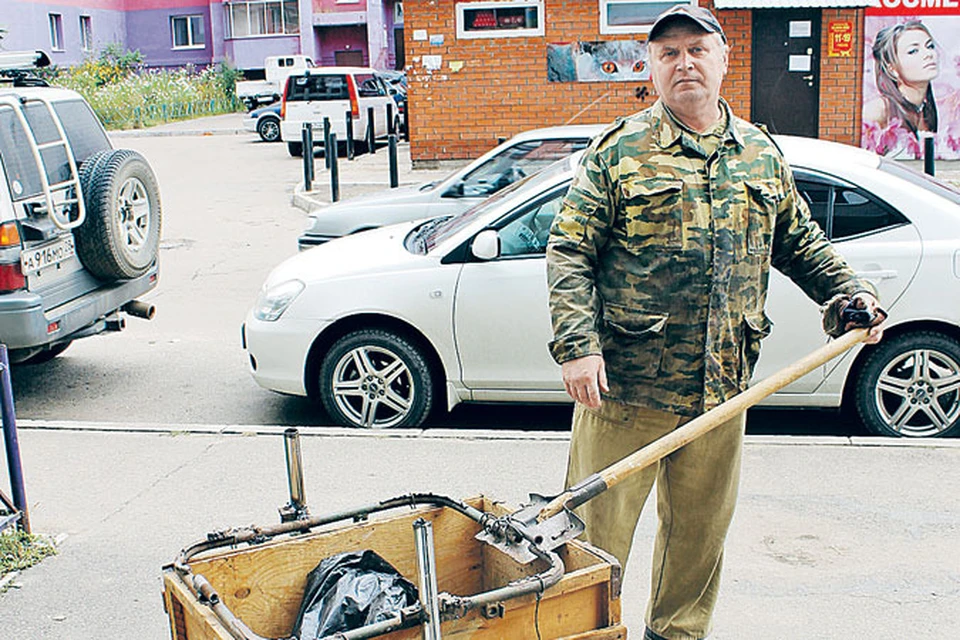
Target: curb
column 449, row 434
column 152, row 133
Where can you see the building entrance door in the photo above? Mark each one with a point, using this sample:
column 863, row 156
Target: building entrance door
column 785, row 95
column 348, row 58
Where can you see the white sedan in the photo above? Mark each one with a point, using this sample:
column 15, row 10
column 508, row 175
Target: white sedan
column 385, row 326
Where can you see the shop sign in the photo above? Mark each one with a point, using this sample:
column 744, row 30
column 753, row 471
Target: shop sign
column 915, row 7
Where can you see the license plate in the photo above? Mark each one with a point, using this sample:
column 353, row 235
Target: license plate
column 48, row 255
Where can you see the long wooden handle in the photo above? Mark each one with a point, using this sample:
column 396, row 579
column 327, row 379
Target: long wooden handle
column 664, row 446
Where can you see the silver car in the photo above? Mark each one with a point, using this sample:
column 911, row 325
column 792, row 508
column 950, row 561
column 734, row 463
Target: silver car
column 521, row 155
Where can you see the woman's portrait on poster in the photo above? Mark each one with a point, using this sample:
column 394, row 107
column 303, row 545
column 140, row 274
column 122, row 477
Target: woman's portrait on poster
column 906, row 62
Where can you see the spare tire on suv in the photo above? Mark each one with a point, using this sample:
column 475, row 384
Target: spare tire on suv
column 121, row 234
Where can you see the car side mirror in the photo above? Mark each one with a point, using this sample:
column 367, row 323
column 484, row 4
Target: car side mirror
column 486, row 245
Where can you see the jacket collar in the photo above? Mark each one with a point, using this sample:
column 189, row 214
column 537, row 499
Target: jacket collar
column 668, row 131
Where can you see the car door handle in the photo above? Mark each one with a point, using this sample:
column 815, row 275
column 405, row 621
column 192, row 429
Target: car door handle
column 881, row 274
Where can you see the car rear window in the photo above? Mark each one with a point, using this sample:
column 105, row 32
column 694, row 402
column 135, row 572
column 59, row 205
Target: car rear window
column 84, row 131
column 368, row 86
column 23, row 174
column 317, row 87
column 923, row 180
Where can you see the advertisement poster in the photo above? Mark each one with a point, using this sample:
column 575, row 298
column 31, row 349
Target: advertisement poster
column 912, row 78
column 615, row 60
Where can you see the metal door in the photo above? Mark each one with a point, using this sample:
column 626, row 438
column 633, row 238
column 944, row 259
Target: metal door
column 785, row 94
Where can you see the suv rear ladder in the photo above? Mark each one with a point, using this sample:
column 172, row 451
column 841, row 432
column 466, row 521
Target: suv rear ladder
column 61, row 217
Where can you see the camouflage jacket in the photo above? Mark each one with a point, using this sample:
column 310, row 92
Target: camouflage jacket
column 660, row 257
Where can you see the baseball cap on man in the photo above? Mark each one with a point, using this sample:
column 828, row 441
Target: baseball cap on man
column 698, row 15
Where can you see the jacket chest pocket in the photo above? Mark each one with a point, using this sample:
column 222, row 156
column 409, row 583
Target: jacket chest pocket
column 653, row 214
column 763, row 200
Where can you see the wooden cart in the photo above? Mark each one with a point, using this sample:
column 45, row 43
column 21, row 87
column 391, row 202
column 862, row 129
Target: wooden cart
column 262, row 584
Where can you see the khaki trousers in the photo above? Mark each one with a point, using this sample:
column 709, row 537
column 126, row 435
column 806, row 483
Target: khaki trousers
column 696, row 495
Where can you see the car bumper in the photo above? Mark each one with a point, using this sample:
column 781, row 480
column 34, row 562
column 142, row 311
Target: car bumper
column 307, row 241
column 250, row 125
column 277, row 353
column 25, row 323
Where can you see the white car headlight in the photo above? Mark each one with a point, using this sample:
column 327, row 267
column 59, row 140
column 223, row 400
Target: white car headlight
column 274, row 301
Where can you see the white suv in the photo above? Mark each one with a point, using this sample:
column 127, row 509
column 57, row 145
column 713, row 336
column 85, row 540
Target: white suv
column 332, row 92
column 79, row 220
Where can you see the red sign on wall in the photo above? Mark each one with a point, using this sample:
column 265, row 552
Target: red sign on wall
column 840, row 38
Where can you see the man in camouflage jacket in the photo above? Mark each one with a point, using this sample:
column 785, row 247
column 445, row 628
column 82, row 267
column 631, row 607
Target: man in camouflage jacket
column 658, row 265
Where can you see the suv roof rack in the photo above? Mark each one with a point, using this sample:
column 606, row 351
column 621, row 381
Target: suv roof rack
column 17, row 66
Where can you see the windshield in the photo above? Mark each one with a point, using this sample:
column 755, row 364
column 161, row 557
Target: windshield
column 516, row 162
column 427, row 236
column 928, row 182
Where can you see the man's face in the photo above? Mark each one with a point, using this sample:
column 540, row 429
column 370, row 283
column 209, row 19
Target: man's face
column 687, row 65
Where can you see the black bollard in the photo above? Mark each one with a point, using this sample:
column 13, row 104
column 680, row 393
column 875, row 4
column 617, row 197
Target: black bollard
column 326, row 142
column 371, row 132
column 928, row 155
column 392, row 150
column 306, row 136
column 391, row 128
column 11, row 442
column 349, row 137
column 334, row 171
column 501, row 139
column 406, row 120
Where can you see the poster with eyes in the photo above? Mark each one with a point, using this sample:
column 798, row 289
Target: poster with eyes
column 911, row 80
column 615, row 60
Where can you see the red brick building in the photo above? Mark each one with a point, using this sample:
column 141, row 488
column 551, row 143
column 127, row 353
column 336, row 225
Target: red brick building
column 478, row 71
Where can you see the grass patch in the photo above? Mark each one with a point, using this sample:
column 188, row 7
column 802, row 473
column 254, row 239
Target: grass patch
column 20, row 550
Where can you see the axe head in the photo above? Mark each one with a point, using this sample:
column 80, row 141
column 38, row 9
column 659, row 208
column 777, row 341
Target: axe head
column 520, row 533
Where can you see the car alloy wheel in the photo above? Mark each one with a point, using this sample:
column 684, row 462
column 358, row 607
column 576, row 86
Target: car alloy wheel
column 910, row 386
column 376, row 379
column 269, row 129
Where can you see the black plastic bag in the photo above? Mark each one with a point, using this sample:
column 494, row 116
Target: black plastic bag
column 348, row 591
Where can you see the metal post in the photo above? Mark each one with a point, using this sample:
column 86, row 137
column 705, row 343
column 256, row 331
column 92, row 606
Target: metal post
column 297, row 507
column 501, row 139
column 10, row 440
column 306, row 136
column 406, row 118
column 371, row 132
column 334, row 170
column 390, row 123
column 326, row 142
column 427, row 570
column 392, row 150
column 349, row 137
column 929, row 159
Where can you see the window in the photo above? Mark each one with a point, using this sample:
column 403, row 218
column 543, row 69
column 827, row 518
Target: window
column 369, row 86
column 632, row 16
column 86, row 33
column 845, row 211
column 262, row 18
column 56, row 32
column 528, row 233
column 499, row 19
column 523, row 159
column 187, row 32
column 304, row 88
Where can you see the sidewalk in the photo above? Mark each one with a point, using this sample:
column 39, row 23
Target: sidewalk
column 833, row 538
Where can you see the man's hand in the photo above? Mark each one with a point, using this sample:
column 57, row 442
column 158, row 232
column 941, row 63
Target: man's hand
column 584, row 378
column 867, row 302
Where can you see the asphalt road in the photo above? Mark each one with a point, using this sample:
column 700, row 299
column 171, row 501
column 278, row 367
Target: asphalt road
column 227, row 220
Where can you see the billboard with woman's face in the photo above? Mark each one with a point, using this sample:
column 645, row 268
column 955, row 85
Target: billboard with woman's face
column 912, row 80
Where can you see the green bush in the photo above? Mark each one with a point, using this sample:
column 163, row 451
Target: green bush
column 126, row 95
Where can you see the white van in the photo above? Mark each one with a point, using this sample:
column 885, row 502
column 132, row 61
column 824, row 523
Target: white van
column 332, row 92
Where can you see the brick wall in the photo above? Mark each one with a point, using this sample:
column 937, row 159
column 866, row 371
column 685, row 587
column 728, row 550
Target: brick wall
column 501, row 86
column 841, row 82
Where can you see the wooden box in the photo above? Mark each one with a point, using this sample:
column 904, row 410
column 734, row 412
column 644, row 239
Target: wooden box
column 262, row 585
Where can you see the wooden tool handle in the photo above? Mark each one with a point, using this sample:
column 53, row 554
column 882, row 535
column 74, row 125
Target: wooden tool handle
column 664, row 446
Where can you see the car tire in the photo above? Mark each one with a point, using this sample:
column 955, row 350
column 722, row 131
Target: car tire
column 376, row 379
column 120, row 237
column 295, row 149
column 908, row 386
column 269, row 129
